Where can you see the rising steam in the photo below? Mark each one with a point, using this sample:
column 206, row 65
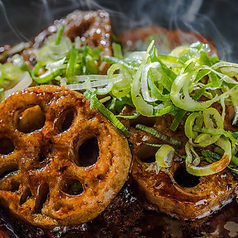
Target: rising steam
column 22, row 21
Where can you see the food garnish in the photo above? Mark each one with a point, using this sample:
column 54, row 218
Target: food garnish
column 177, row 109
column 185, row 83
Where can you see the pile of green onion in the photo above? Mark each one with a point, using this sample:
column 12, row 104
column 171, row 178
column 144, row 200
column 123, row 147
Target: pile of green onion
column 185, row 83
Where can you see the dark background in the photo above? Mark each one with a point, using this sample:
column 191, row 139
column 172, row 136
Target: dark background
column 21, row 20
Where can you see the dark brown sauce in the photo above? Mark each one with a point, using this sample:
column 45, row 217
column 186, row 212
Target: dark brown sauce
column 125, row 217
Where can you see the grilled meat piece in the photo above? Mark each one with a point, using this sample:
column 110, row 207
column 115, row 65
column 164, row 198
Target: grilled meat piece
column 61, row 162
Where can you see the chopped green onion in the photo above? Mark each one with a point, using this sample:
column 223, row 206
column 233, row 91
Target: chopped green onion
column 170, row 61
column 24, row 81
column 142, row 106
column 158, row 84
column 134, row 116
column 159, row 135
column 59, row 35
column 180, row 94
column 172, row 76
column 46, row 77
column 235, row 135
column 178, row 118
column 164, row 156
column 152, row 145
column 180, row 50
column 211, row 168
column 194, row 119
column 20, row 63
column 211, row 118
column 70, row 70
column 108, row 114
column 117, row 50
column 209, row 155
column 9, row 71
column 105, row 99
column 185, row 82
column 213, row 155
column 115, row 60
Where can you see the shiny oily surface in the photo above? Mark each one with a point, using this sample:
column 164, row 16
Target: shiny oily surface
column 44, row 178
column 161, row 229
column 125, row 217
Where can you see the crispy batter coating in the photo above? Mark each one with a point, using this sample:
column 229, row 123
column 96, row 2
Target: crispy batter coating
column 44, row 178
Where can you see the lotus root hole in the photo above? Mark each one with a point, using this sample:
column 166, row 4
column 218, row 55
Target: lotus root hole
column 42, row 158
column 25, row 196
column 185, row 179
column 65, row 120
column 14, row 186
column 79, row 31
column 30, row 119
column 88, row 152
column 43, row 192
column 6, row 146
column 147, row 154
column 71, row 186
column 44, row 152
column 8, row 170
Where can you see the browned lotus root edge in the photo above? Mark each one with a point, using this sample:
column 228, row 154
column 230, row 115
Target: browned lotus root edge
column 93, row 27
column 35, row 174
column 166, row 38
column 159, row 190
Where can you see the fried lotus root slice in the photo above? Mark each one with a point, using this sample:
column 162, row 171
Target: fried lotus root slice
column 165, row 39
column 93, row 27
column 173, row 191
column 64, row 169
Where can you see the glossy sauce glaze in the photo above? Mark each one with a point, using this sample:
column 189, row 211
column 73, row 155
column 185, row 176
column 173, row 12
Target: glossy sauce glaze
column 187, row 197
column 125, row 217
